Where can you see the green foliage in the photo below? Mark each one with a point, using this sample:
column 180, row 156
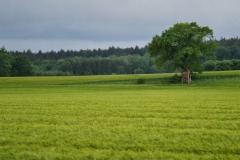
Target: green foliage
column 14, row 66
column 182, row 45
column 223, row 65
column 211, row 65
column 175, row 78
column 119, row 60
column 85, row 117
column 228, row 49
column 131, row 64
column 223, row 53
column 195, row 76
column 5, row 63
column 21, row 66
column 138, row 71
column 235, row 64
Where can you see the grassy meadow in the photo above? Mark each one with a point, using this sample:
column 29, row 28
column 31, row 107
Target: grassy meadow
column 113, row 117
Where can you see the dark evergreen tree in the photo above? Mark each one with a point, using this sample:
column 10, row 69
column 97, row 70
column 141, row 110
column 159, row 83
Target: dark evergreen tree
column 5, row 62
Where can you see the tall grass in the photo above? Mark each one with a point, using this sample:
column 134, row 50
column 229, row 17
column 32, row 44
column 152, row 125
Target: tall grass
column 98, row 117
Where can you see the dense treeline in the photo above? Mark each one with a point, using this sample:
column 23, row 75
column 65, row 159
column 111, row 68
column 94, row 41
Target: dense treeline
column 62, row 54
column 108, row 65
column 92, row 62
column 129, row 64
column 113, row 60
column 228, row 49
column 227, row 56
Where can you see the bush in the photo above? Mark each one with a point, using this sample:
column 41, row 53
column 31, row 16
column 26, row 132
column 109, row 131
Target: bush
column 175, row 79
column 195, row 76
column 235, row 64
column 223, row 65
column 209, row 65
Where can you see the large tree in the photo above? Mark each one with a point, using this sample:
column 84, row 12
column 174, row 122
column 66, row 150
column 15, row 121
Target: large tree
column 182, row 46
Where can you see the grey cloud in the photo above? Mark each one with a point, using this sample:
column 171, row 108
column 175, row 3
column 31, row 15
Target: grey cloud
column 112, row 20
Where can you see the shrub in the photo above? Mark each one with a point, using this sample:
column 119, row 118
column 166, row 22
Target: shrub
column 175, row 79
column 209, row 65
column 223, row 65
column 235, row 64
column 195, row 76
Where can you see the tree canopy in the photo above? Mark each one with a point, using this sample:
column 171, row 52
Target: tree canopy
column 14, row 66
column 5, row 63
column 21, row 66
column 182, row 46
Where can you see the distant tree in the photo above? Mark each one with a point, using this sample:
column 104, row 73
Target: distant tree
column 223, row 53
column 228, row 49
column 40, row 52
column 182, row 46
column 5, row 63
column 235, row 52
column 21, row 66
column 29, row 52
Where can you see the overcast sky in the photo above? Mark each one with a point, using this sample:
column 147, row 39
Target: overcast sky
column 80, row 24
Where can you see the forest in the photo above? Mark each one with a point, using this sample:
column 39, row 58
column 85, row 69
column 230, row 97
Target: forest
column 114, row 60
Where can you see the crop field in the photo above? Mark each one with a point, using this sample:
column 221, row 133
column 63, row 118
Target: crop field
column 113, row 117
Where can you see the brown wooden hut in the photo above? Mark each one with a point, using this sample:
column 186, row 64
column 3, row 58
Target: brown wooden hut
column 186, row 77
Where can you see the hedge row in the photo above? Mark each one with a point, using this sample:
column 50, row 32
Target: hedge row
column 212, row 65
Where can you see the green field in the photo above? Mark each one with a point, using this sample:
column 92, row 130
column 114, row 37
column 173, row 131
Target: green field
column 113, row 117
